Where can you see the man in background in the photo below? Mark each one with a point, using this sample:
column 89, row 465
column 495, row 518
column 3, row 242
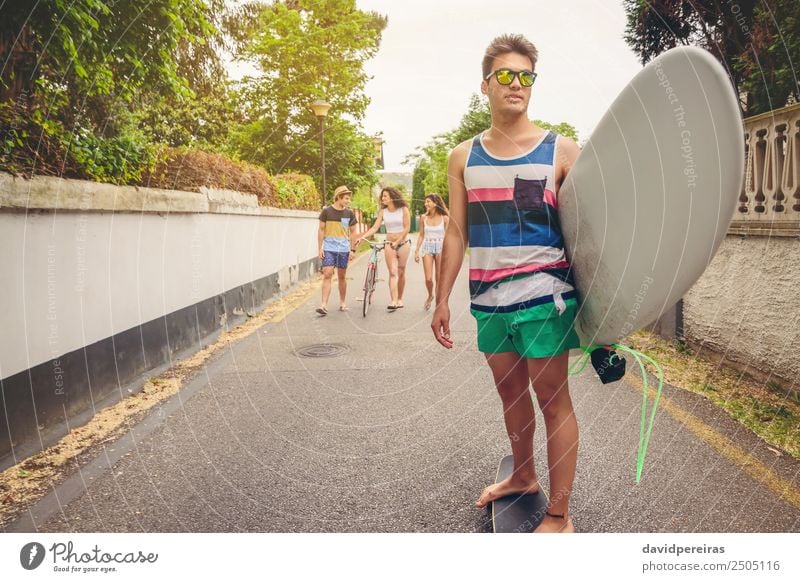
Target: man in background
column 337, row 230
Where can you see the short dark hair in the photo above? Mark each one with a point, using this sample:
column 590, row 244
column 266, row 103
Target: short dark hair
column 508, row 43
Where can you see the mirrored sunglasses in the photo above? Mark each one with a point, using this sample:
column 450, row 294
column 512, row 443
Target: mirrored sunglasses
column 506, row 77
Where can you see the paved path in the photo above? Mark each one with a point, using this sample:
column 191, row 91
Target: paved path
column 397, row 434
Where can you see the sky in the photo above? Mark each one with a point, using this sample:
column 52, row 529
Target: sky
column 429, row 63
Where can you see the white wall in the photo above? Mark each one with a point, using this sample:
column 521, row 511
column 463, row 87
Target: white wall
column 78, row 275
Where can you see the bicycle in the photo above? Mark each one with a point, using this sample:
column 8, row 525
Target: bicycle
column 372, row 272
column 372, row 275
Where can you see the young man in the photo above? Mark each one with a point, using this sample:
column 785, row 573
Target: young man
column 337, row 229
column 503, row 203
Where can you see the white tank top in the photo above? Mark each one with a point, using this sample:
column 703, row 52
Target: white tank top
column 393, row 220
column 434, row 232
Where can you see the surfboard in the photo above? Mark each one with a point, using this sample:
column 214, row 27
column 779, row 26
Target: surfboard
column 649, row 200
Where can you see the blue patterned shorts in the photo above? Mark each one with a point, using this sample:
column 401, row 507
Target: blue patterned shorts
column 338, row 260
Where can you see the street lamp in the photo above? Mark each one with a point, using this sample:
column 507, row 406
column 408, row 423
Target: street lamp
column 320, row 109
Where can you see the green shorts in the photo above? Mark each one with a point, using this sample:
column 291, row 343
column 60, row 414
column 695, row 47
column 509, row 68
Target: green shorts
column 535, row 332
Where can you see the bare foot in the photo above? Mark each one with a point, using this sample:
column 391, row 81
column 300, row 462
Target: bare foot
column 552, row 524
column 511, row 486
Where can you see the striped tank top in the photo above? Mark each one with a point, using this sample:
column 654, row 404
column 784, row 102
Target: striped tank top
column 517, row 257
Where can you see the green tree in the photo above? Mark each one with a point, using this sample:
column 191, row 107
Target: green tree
column 477, row 119
column 562, row 128
column 769, row 68
column 307, row 50
column 757, row 42
column 367, row 202
column 419, row 177
column 176, row 121
column 202, row 117
column 79, row 76
column 349, row 152
column 100, row 47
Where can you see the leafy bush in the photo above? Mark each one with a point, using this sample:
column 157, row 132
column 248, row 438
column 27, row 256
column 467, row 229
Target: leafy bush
column 34, row 143
column 27, row 146
column 296, row 191
column 121, row 159
column 13, row 136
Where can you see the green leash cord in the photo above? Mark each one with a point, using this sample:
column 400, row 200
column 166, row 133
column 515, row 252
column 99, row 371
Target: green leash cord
column 644, row 433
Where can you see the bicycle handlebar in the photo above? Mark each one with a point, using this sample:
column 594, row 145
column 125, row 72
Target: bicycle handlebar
column 381, row 245
column 376, row 245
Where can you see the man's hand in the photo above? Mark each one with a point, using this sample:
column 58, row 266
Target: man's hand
column 440, row 324
column 455, row 241
column 321, row 255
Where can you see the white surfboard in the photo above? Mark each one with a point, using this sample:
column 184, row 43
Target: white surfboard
column 651, row 195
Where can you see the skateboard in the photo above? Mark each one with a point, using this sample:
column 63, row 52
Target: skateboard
column 516, row 513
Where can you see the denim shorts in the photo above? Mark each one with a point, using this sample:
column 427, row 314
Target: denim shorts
column 432, row 246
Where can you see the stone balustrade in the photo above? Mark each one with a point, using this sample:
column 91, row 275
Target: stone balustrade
column 769, row 203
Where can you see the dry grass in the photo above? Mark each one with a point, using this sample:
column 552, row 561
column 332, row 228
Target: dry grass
column 188, row 170
column 770, row 412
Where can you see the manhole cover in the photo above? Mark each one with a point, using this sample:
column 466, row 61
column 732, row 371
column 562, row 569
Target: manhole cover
column 322, row 351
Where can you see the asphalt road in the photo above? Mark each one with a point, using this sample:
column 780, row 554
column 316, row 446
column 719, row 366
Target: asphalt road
column 395, row 435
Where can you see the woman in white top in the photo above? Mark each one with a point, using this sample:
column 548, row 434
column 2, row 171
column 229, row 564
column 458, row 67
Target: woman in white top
column 431, row 236
column 394, row 214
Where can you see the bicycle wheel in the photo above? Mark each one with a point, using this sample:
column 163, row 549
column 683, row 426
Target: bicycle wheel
column 367, row 289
